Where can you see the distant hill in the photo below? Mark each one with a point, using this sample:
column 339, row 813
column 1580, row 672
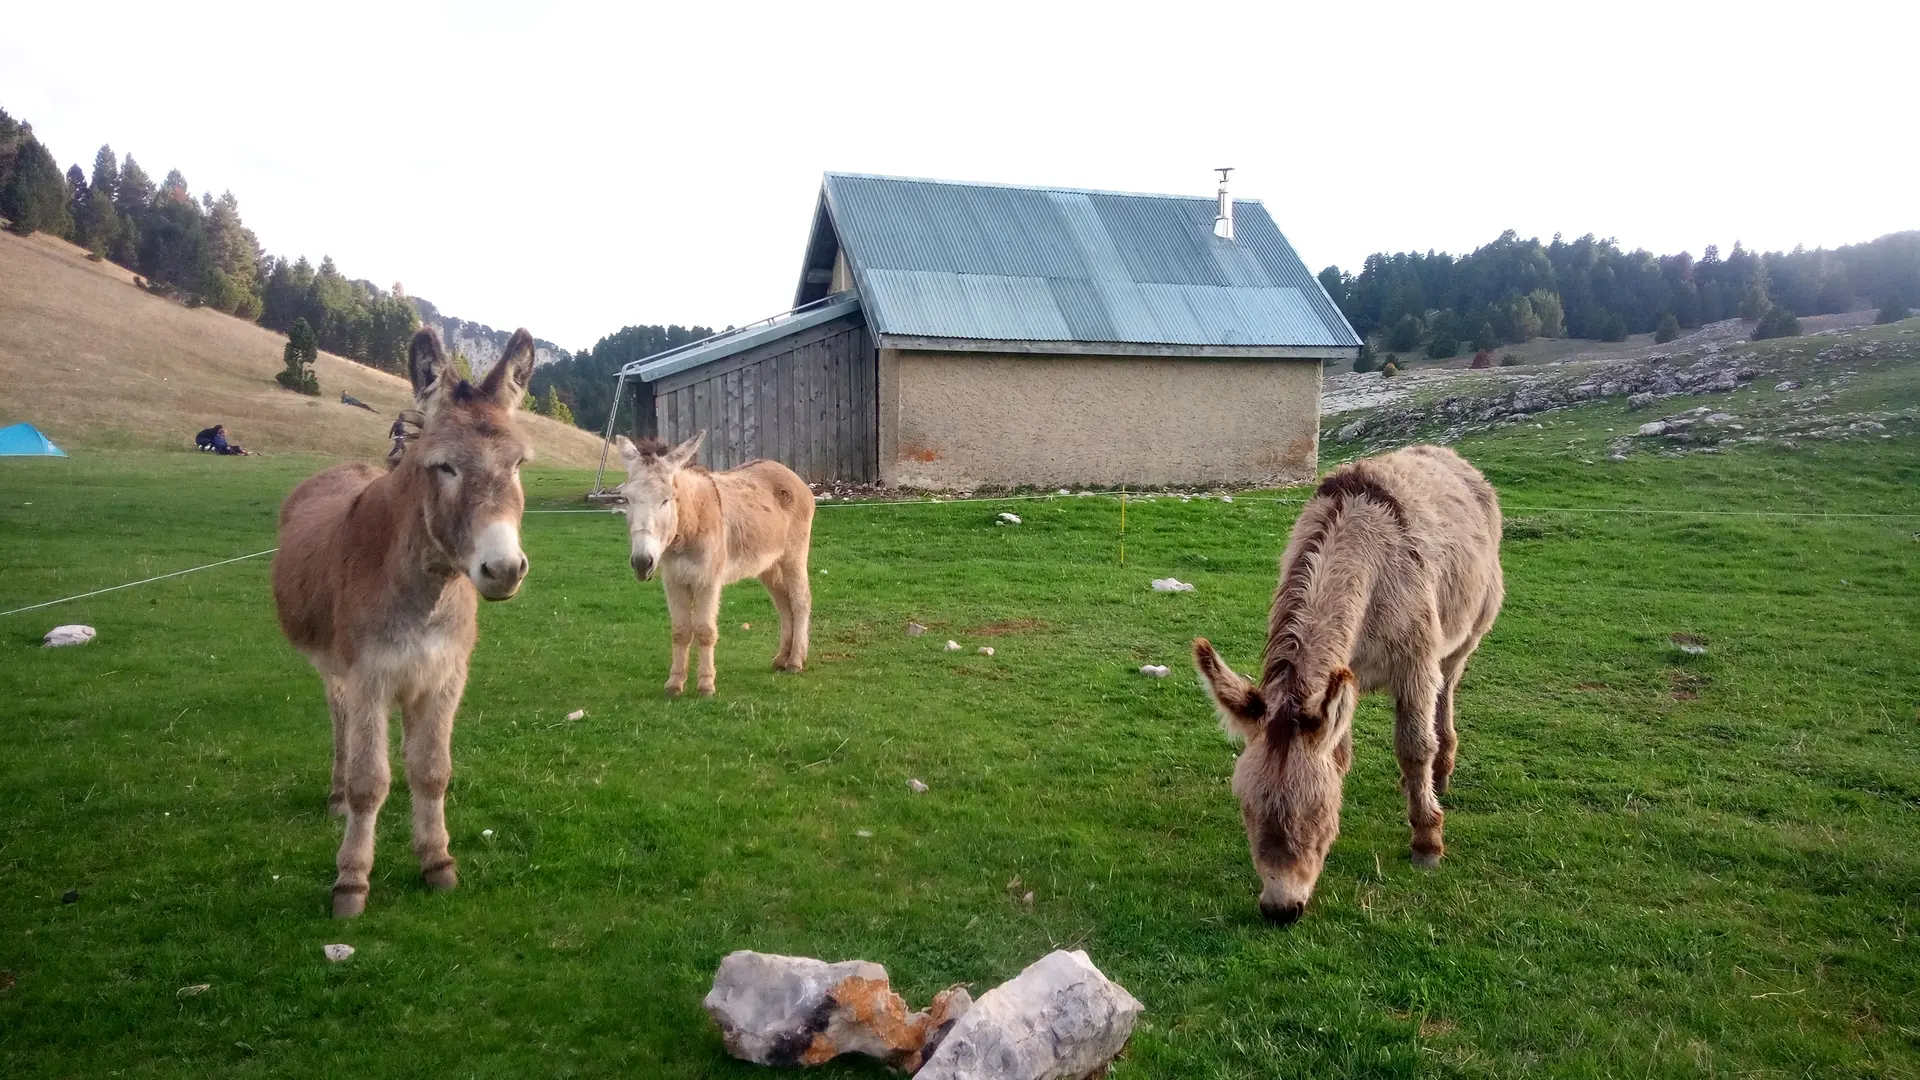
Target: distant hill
column 482, row 343
column 95, row 361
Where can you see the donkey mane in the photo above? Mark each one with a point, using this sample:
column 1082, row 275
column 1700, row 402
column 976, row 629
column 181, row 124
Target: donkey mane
column 1282, row 685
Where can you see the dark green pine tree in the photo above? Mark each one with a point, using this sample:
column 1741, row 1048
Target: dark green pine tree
column 1668, row 329
column 302, row 350
column 1777, row 322
column 12, row 134
column 106, row 173
column 76, row 197
column 132, row 199
column 35, row 195
column 1484, row 339
column 134, row 193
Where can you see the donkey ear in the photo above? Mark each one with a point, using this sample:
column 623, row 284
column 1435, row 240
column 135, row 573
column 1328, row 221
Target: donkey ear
column 683, row 453
column 629, row 453
column 1239, row 702
column 426, row 363
column 507, row 382
column 1336, row 704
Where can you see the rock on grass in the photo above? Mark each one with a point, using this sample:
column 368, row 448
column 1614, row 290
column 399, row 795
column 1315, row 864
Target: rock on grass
column 1060, row 1019
column 795, row 1010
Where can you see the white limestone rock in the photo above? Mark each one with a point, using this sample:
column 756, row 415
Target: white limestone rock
column 70, row 634
column 795, row 1010
column 1060, row 1019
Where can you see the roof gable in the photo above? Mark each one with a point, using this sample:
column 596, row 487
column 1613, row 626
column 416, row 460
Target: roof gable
column 935, row 259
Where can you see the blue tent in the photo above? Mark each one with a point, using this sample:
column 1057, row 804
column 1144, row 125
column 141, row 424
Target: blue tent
column 25, row 440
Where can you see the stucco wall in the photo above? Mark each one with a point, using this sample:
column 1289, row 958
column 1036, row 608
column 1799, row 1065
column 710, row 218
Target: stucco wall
column 967, row 420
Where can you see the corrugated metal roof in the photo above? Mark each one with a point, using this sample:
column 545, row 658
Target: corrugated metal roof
column 939, row 259
column 729, row 342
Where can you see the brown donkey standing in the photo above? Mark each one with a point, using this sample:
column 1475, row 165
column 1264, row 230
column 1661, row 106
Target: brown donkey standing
column 376, row 580
column 1389, row 581
column 704, row 530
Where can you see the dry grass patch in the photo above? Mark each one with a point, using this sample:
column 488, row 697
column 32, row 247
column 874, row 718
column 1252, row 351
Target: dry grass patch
column 95, row 361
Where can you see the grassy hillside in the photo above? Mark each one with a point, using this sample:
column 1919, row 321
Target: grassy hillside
column 97, row 363
column 1659, row 864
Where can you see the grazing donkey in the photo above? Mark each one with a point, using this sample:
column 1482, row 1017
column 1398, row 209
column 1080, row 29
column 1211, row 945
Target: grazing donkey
column 1389, row 581
column 376, row 580
column 703, row 530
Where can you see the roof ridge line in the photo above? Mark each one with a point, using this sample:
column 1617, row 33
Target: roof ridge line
column 1029, row 187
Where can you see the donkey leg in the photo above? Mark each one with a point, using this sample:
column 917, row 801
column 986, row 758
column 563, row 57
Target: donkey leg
column 426, row 745
column 800, row 602
column 1416, row 745
column 706, row 632
column 777, row 589
column 679, row 610
column 1446, row 739
column 368, row 777
column 337, row 789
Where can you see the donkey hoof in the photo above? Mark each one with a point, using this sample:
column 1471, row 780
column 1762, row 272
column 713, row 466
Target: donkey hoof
column 1426, row 860
column 348, row 903
column 441, row 878
column 790, row 668
column 706, row 690
column 673, row 689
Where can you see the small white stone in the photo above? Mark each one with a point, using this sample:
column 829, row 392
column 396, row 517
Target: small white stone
column 746, row 626
column 1064, row 491
column 919, row 787
column 864, row 834
column 1009, row 519
column 70, row 634
column 576, row 714
column 486, row 834
column 953, row 646
column 337, row 953
column 914, row 629
column 1158, row 671
column 1226, row 498
column 986, row 650
column 1167, row 584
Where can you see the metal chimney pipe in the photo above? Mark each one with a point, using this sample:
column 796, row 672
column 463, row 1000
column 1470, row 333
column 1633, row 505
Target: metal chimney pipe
column 1223, row 224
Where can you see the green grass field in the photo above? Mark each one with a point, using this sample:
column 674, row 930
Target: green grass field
column 1659, row 864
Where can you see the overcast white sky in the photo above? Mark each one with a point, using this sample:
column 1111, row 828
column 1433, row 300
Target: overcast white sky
column 575, row 168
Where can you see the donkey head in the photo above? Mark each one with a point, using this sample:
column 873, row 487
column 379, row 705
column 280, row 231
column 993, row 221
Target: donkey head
column 1298, row 735
column 652, row 518
column 466, row 461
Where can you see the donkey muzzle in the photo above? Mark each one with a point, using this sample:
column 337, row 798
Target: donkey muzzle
column 1280, row 913
column 501, row 578
column 642, row 566
column 499, row 566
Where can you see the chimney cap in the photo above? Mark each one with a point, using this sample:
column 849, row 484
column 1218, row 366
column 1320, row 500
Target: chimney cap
column 1223, row 171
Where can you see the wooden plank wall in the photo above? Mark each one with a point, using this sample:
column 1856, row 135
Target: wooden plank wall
column 810, row 402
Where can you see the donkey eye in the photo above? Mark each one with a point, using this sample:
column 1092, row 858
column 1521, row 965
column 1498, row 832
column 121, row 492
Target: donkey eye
column 446, row 468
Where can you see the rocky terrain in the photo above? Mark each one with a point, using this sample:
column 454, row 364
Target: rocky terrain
column 481, row 343
column 1785, row 392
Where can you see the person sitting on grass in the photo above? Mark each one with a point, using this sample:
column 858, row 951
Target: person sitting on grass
column 215, row 439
